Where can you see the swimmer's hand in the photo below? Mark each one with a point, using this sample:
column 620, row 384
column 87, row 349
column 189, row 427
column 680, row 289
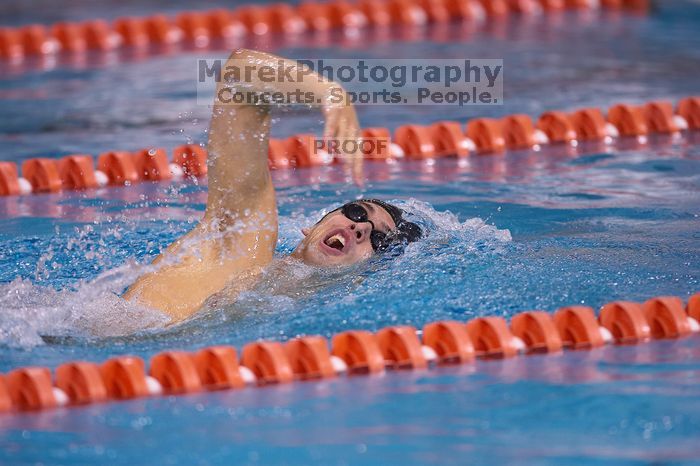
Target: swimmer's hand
column 339, row 113
column 342, row 124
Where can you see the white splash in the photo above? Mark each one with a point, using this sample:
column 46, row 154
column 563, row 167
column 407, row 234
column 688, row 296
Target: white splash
column 94, row 309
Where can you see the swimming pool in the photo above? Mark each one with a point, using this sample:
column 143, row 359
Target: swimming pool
column 528, row 230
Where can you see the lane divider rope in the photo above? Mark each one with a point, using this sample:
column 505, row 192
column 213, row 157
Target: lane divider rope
column 480, row 136
column 199, row 28
column 350, row 352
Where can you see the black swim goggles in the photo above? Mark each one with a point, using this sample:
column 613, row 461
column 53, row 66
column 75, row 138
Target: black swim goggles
column 358, row 213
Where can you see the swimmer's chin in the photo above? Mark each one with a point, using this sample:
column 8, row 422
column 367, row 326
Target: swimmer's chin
column 314, row 257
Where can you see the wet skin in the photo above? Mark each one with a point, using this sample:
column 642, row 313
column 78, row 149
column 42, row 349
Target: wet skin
column 336, row 240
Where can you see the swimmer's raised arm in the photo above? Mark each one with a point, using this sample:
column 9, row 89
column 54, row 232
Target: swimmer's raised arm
column 238, row 141
column 238, row 233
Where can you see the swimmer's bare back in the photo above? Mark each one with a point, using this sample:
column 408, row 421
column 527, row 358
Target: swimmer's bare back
column 237, row 235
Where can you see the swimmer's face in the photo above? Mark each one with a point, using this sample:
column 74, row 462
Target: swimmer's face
column 337, row 240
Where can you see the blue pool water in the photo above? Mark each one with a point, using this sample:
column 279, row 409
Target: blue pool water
column 530, row 230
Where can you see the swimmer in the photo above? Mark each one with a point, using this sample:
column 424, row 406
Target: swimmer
column 236, row 238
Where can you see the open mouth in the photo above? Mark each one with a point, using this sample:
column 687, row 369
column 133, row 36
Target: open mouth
column 336, row 242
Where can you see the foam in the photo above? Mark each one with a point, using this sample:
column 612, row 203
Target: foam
column 91, row 310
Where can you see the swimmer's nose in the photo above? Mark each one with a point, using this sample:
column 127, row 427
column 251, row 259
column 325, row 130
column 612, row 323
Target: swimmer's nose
column 361, row 231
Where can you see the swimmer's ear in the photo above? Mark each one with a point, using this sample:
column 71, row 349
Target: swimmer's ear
column 305, row 231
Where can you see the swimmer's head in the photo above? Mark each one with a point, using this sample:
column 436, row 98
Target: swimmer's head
column 355, row 232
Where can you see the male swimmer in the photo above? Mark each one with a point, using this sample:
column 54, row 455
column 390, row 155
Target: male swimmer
column 236, row 238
